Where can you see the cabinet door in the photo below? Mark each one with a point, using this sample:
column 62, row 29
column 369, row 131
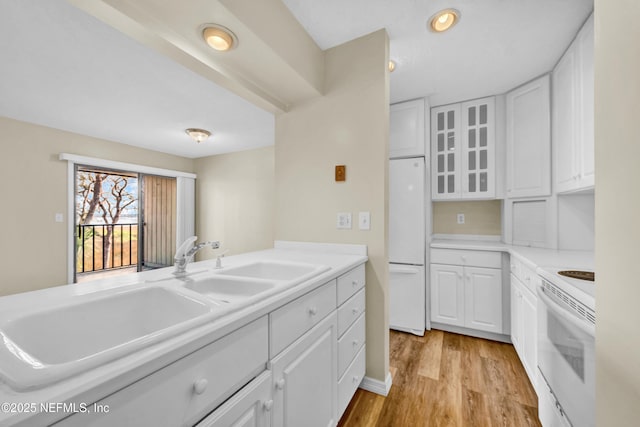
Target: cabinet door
column 516, row 315
column 528, row 140
column 585, row 102
column 529, row 334
column 406, row 129
column 447, row 294
column 483, row 299
column 445, row 157
column 250, row 407
column 478, row 149
column 564, row 122
column 305, row 379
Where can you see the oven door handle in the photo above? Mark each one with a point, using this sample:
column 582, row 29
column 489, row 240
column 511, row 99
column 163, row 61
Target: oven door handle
column 565, row 314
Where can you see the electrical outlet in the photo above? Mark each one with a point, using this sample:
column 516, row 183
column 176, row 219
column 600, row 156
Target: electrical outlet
column 460, row 218
column 344, row 220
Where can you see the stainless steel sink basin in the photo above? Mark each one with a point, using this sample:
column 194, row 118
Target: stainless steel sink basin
column 52, row 343
column 271, row 270
column 230, row 289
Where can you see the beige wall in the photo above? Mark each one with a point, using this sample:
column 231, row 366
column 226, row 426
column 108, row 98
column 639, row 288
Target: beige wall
column 348, row 125
column 33, row 182
column 235, row 200
column 617, row 96
column 481, row 217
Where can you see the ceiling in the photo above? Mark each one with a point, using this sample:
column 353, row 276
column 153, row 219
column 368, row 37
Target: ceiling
column 496, row 46
column 145, row 82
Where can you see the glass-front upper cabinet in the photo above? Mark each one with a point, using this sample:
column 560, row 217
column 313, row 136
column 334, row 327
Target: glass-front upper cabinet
column 445, row 123
column 463, row 150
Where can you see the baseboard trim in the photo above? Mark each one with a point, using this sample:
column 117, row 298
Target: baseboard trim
column 376, row 386
column 472, row 332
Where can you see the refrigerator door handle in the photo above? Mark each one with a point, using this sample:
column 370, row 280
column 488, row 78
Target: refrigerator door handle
column 403, row 269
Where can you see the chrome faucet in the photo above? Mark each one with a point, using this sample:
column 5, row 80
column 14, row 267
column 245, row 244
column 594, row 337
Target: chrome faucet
column 184, row 256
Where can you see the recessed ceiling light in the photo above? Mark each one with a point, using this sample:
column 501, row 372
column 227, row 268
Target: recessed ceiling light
column 218, row 37
column 444, row 20
column 392, row 66
column 198, row 135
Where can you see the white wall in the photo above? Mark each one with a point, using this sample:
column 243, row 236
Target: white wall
column 617, row 243
column 576, row 222
column 349, row 126
column 235, row 201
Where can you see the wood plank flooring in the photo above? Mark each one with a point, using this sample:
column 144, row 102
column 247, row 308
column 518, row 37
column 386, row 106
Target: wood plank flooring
column 446, row 379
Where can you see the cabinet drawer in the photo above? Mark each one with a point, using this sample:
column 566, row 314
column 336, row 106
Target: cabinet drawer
column 294, row 319
column 489, row 259
column 350, row 381
column 350, row 343
column 186, row 390
column 350, row 283
column 526, row 275
column 350, row 311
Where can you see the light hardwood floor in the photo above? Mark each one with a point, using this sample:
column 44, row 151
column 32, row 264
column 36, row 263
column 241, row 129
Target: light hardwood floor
column 446, row 379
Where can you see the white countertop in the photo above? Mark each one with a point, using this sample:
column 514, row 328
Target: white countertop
column 546, row 263
column 94, row 384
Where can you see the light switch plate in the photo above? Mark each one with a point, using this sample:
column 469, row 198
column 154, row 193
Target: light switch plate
column 344, row 221
column 364, row 221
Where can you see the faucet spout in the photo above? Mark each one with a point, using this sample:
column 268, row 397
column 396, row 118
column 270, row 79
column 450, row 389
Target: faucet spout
column 184, row 256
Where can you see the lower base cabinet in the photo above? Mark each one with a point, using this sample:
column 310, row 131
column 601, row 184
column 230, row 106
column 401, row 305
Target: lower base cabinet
column 281, row 370
column 524, row 326
column 304, row 379
column 250, row 407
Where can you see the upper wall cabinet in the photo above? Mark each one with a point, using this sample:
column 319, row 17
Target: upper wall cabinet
column 463, row 150
column 573, row 123
column 529, row 140
column 406, row 129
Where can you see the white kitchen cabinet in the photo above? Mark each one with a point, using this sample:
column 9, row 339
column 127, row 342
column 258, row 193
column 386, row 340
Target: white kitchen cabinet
column 573, row 114
column 463, row 150
column 305, row 379
column 483, row 299
column 528, row 145
column 184, row 392
column 407, row 129
column 250, row 407
column 447, row 294
column 524, row 326
column 466, row 289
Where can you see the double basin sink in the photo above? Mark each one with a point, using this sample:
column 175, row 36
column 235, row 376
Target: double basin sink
column 52, row 343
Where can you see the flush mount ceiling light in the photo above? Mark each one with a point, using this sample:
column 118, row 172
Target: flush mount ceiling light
column 444, row 20
column 218, row 37
column 198, row 135
column 392, row 66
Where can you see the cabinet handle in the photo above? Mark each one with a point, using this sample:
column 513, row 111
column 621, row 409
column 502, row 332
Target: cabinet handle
column 268, row 405
column 313, row 311
column 355, row 343
column 356, row 310
column 459, row 275
column 280, row 384
column 200, row 386
column 356, row 379
column 464, row 258
column 354, row 282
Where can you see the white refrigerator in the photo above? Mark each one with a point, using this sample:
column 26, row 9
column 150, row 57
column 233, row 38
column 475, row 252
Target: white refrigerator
column 407, row 245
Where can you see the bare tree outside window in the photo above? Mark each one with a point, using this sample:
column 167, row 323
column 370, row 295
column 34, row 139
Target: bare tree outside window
column 106, row 211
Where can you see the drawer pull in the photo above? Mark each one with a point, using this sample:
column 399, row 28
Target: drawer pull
column 356, row 379
column 313, row 311
column 268, row 405
column 464, row 259
column 354, row 283
column 280, row 384
column 355, row 310
column 355, row 343
column 200, row 386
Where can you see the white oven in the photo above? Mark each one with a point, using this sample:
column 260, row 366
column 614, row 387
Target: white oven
column 566, row 359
